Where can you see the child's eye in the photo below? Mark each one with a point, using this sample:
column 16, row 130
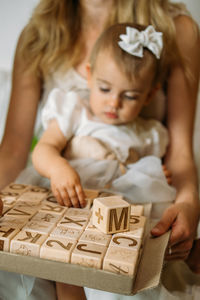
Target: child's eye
column 130, row 97
column 104, row 89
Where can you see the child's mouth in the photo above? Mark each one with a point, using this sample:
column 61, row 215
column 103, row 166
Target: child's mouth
column 111, row 115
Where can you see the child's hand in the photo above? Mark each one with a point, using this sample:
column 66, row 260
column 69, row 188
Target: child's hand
column 168, row 174
column 66, row 186
column 181, row 218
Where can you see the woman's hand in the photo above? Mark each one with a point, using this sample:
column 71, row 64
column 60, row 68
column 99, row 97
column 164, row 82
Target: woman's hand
column 66, row 186
column 182, row 219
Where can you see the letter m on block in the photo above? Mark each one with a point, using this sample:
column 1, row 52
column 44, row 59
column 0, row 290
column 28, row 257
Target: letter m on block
column 118, row 220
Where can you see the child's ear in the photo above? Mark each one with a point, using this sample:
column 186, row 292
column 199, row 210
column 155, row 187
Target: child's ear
column 88, row 70
column 152, row 93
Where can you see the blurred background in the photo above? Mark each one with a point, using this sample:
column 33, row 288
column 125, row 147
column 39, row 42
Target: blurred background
column 14, row 14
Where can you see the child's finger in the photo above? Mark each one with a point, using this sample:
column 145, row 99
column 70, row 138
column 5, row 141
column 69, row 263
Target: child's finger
column 58, row 196
column 166, row 171
column 168, row 174
column 66, row 198
column 81, row 195
column 169, row 180
column 73, row 197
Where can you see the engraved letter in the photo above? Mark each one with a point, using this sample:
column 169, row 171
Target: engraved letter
column 80, row 247
column 117, row 223
column 33, row 239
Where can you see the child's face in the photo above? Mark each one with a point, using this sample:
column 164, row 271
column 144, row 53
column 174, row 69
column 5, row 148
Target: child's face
column 115, row 99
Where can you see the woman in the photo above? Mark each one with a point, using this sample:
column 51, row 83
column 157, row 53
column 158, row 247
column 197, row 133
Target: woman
column 54, row 48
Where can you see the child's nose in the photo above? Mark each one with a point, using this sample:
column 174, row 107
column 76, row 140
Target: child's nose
column 115, row 101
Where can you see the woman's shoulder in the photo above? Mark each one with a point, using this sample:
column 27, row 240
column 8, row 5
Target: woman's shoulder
column 184, row 23
column 176, row 10
column 187, row 34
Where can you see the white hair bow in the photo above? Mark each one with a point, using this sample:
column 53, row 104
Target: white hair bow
column 134, row 41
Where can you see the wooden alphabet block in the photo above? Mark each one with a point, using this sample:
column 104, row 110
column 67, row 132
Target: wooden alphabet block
column 137, row 226
column 6, row 235
column 137, row 222
column 40, row 227
column 32, row 195
column 42, row 191
column 91, row 194
column 91, row 227
column 51, row 198
column 137, row 210
column 111, row 214
column 124, row 240
column 46, row 217
column 78, row 213
column 69, row 233
column 57, row 248
column 30, row 203
column 73, row 222
column 13, row 222
column 51, row 207
column 27, row 243
column 5, row 209
column 95, row 237
column 88, row 205
column 120, row 260
column 19, row 211
column 103, row 194
column 8, row 201
column 135, row 233
column 88, row 254
column 12, row 192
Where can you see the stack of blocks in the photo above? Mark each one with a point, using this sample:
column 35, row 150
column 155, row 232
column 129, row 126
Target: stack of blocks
column 107, row 236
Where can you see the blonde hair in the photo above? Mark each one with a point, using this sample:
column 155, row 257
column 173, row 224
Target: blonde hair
column 129, row 64
column 52, row 38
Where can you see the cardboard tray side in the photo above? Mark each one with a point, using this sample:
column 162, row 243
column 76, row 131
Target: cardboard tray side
column 148, row 276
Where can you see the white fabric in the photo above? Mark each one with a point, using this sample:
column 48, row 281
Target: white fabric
column 134, row 41
column 68, row 81
column 143, row 182
column 147, row 137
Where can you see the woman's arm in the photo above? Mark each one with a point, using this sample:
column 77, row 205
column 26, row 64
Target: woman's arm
column 182, row 217
column 15, row 146
column 48, row 161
